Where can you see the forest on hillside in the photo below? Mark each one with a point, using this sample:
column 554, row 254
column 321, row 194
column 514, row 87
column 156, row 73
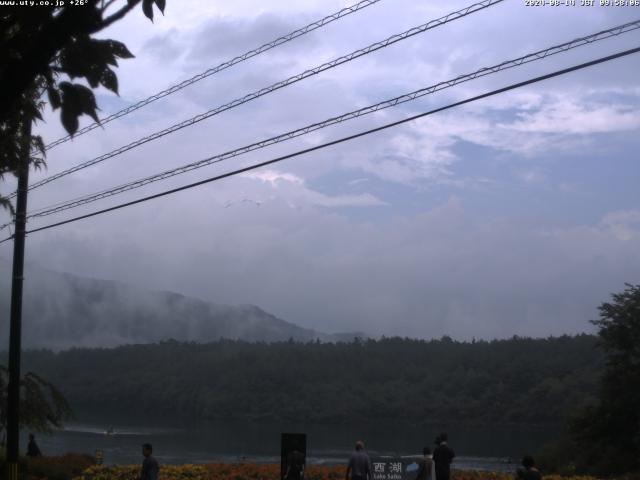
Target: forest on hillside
column 515, row 381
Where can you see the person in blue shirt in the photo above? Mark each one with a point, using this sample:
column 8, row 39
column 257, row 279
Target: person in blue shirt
column 150, row 466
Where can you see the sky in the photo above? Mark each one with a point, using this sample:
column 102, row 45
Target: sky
column 514, row 215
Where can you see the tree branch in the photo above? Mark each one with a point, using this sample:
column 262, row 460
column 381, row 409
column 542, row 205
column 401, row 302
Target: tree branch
column 105, row 7
column 51, row 37
column 117, row 16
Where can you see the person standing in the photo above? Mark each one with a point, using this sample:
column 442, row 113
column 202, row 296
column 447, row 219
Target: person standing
column 443, row 455
column 426, row 466
column 529, row 472
column 150, row 466
column 359, row 467
column 32, row 448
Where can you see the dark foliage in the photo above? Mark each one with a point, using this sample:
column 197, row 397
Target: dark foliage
column 42, row 405
column 45, row 43
column 608, row 434
column 41, row 48
column 64, row 467
column 604, row 438
column 517, row 381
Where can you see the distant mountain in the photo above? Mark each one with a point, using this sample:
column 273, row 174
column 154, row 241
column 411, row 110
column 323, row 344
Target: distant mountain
column 61, row 310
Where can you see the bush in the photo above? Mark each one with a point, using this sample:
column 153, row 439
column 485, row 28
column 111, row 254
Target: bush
column 64, row 467
column 559, row 456
column 22, row 465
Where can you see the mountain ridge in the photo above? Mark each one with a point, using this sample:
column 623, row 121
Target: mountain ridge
column 63, row 310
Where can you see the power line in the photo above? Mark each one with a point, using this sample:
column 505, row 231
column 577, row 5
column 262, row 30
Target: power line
column 343, row 139
column 531, row 57
column 223, row 66
column 541, row 54
column 276, row 86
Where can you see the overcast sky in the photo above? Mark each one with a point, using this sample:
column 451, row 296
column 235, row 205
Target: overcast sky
column 518, row 214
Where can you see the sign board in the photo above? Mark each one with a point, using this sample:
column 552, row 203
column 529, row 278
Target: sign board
column 394, row 468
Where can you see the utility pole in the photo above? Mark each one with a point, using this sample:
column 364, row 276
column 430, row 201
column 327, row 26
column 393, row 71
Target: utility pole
column 15, row 328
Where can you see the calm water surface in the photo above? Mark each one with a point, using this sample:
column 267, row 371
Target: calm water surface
column 476, row 448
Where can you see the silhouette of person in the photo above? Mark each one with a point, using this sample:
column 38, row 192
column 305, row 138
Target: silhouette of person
column 529, row 472
column 32, row 448
column 295, row 465
column 426, row 466
column 443, row 455
column 150, row 466
column 359, row 467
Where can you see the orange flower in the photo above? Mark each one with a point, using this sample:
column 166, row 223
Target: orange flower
column 250, row 471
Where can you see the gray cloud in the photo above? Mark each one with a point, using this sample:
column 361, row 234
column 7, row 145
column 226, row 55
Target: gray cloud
column 222, row 38
column 358, row 259
column 434, row 273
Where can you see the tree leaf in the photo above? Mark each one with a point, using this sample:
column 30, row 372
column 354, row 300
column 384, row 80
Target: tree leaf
column 32, row 111
column 147, row 9
column 110, row 80
column 76, row 100
column 103, row 50
column 69, row 119
column 93, row 74
column 161, row 4
column 6, row 204
column 87, row 101
column 38, row 144
column 54, row 97
column 120, row 50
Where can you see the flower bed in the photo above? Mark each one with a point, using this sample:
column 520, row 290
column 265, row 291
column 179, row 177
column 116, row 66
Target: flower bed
column 248, row 471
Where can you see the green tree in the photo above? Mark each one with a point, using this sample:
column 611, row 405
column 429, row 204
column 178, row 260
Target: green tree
column 607, row 435
column 42, row 50
column 42, row 406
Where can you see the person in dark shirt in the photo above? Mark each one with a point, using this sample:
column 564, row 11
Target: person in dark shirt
column 443, row 455
column 32, row 448
column 359, row 467
column 150, row 466
column 529, row 470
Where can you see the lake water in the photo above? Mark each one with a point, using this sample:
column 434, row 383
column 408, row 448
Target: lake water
column 476, row 448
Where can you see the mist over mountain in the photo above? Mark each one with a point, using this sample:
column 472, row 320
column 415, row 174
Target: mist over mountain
column 61, row 310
